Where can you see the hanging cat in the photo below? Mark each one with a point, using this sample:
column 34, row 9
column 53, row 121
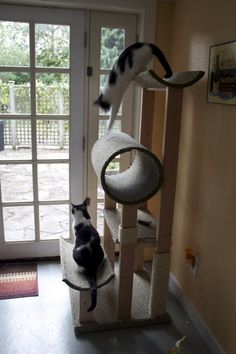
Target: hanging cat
column 87, row 251
column 130, row 63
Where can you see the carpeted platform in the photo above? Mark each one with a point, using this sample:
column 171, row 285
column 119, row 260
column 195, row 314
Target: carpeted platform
column 105, row 314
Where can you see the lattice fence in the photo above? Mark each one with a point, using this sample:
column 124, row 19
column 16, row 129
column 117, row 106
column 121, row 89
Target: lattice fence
column 17, row 133
column 15, row 99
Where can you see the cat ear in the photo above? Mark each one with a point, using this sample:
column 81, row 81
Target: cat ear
column 98, row 101
column 86, row 202
column 73, row 206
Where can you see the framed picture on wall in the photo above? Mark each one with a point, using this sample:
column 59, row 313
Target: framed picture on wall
column 222, row 74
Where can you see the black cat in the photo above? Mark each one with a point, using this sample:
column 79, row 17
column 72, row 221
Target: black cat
column 87, row 251
column 132, row 61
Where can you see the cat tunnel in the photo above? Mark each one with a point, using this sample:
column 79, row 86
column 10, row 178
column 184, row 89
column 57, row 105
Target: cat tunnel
column 139, row 182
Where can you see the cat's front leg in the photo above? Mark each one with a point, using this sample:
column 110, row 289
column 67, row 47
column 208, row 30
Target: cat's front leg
column 113, row 115
column 110, row 123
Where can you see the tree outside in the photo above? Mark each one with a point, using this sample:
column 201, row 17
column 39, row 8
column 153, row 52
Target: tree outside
column 52, row 50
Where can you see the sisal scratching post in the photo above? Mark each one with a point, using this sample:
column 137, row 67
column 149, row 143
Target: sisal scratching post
column 159, row 283
column 127, row 238
column 109, row 244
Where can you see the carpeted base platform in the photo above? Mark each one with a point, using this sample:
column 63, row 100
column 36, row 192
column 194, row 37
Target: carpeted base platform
column 105, row 313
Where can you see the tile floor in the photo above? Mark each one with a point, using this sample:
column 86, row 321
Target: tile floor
column 42, row 325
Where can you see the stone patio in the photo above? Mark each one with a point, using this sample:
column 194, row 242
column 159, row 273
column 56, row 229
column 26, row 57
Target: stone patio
column 53, row 184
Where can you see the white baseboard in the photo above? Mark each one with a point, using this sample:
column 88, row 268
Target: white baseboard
column 200, row 325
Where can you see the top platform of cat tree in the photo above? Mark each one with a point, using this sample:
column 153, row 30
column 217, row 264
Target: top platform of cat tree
column 151, row 81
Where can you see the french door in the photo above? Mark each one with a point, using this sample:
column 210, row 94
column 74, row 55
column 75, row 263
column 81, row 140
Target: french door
column 110, row 34
column 41, row 127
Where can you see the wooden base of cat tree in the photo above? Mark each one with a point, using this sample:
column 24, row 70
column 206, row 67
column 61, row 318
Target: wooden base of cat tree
column 106, row 316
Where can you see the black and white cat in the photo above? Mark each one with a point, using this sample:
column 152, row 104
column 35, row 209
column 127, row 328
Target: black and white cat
column 87, row 251
column 132, row 61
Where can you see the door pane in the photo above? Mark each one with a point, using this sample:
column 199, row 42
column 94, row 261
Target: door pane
column 52, row 93
column 112, row 44
column 52, row 45
column 102, row 129
column 15, row 139
column 14, row 93
column 18, row 223
column 52, row 139
column 14, row 44
column 16, row 183
column 53, row 181
column 54, row 221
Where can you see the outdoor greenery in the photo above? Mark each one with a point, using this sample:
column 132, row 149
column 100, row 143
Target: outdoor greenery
column 51, row 47
column 112, row 44
column 52, row 50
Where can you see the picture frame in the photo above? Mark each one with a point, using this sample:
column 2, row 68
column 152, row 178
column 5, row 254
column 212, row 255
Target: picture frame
column 221, row 86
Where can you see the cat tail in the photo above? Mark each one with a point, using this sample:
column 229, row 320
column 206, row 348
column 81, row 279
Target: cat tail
column 161, row 57
column 93, row 291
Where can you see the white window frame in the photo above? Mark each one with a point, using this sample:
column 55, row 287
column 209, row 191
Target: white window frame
column 76, row 20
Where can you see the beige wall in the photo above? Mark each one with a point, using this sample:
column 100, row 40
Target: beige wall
column 205, row 207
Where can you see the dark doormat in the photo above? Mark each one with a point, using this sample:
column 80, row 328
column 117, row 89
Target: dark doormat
column 18, row 280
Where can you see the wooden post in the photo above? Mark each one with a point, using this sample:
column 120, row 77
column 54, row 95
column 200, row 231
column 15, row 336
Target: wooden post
column 128, row 239
column 146, row 127
column 109, row 245
column 170, row 152
column 161, row 258
column 109, row 203
column 84, row 303
column 145, row 138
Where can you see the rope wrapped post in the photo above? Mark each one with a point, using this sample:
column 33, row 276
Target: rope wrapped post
column 159, row 283
column 108, row 242
column 128, row 237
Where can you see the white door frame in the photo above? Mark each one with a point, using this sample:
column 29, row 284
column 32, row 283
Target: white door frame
column 76, row 19
column 145, row 9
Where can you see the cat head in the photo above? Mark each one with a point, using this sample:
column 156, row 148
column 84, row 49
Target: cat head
column 80, row 210
column 103, row 103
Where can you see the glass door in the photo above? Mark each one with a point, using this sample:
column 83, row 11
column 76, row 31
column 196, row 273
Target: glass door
column 41, row 127
column 110, row 34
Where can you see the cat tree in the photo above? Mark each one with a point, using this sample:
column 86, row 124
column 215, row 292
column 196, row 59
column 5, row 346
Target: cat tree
column 133, row 299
